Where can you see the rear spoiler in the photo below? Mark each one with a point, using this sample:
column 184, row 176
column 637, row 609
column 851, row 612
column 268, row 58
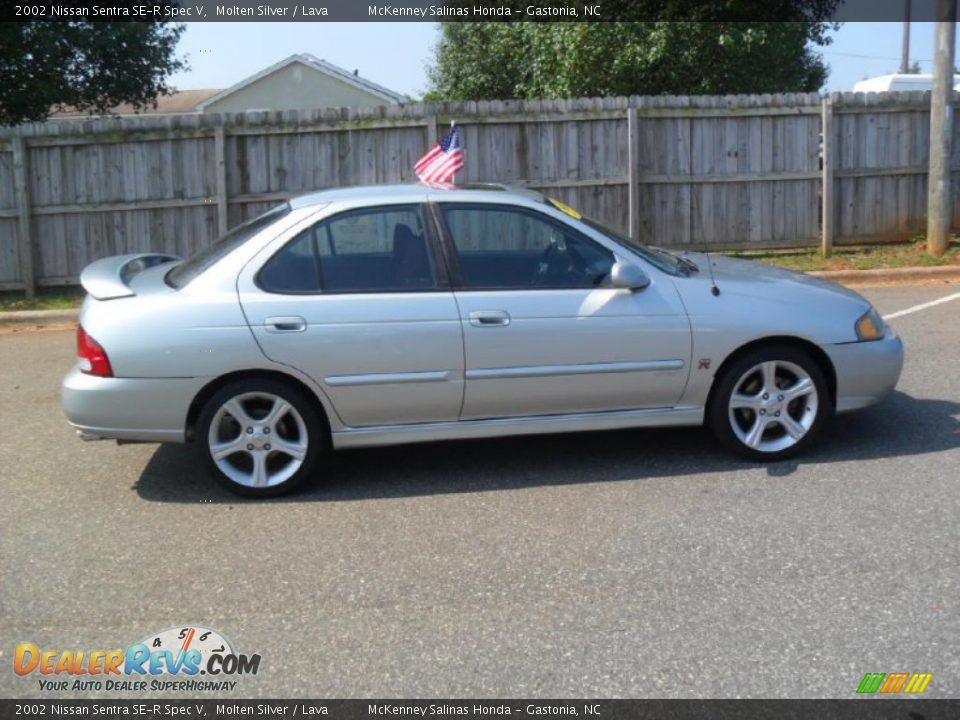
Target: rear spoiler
column 110, row 277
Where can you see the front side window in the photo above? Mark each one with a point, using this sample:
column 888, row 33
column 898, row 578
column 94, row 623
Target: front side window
column 382, row 249
column 505, row 247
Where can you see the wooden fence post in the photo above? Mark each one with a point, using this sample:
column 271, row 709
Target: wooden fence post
column 431, row 122
column 25, row 240
column 826, row 190
column 220, row 153
column 633, row 172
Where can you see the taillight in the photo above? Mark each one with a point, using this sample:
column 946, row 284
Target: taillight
column 91, row 355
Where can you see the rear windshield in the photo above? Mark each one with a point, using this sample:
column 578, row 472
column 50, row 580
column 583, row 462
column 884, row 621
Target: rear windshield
column 189, row 269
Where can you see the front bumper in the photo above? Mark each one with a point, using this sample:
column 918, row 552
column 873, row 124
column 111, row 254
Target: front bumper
column 866, row 371
column 136, row 409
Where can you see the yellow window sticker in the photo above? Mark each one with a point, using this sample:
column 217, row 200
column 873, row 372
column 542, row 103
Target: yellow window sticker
column 563, row 207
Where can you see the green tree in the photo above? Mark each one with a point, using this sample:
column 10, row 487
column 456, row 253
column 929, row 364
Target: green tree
column 87, row 65
column 528, row 60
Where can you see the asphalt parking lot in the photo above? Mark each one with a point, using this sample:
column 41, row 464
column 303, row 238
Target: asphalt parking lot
column 624, row 564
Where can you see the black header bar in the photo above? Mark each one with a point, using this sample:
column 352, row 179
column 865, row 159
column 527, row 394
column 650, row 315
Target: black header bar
column 451, row 10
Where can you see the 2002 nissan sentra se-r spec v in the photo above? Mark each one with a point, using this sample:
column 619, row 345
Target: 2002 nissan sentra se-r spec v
column 396, row 314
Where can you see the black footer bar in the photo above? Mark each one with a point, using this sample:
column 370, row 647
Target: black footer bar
column 861, row 708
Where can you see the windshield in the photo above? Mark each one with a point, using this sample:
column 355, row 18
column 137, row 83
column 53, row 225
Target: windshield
column 189, row 269
column 666, row 261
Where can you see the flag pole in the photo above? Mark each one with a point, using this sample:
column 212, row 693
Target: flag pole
column 453, row 180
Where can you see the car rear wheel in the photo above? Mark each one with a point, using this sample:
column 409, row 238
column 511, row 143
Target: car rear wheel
column 261, row 438
column 770, row 404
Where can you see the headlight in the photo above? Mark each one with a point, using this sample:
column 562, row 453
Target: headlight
column 870, row 326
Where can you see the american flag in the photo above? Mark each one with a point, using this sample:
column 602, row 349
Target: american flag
column 443, row 161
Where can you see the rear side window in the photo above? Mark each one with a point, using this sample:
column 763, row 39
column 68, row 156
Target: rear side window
column 382, row 249
column 188, row 270
column 294, row 268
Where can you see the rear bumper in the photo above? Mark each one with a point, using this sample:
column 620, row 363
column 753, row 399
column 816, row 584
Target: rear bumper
column 141, row 409
column 866, row 371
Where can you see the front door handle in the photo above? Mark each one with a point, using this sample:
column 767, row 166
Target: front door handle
column 285, row 324
column 489, row 318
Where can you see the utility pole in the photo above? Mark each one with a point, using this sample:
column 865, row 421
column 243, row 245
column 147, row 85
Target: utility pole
column 939, row 206
column 905, row 53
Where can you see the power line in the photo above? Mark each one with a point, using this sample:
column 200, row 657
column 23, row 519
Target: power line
column 871, row 57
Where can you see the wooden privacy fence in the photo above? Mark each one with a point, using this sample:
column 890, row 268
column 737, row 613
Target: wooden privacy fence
column 732, row 172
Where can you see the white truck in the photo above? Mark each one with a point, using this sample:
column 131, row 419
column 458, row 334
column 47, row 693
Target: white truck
column 899, row 83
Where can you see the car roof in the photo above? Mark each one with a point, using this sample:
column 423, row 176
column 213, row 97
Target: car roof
column 414, row 192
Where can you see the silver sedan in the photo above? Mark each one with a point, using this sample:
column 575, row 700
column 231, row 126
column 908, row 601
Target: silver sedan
column 398, row 314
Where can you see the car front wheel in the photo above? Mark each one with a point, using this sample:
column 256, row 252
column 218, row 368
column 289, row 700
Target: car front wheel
column 770, row 404
column 261, row 438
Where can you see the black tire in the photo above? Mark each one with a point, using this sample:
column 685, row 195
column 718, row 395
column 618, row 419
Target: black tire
column 721, row 417
column 298, row 425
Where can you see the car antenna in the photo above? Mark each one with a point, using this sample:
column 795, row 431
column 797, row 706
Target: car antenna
column 714, row 290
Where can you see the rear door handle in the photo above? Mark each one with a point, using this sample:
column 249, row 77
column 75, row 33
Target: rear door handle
column 489, row 318
column 285, row 324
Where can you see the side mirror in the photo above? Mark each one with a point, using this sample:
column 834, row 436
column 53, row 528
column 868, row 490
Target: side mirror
column 628, row 276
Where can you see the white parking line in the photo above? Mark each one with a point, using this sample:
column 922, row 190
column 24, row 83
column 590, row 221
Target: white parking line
column 921, row 306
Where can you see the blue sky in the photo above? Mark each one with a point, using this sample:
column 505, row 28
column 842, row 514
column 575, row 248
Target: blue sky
column 396, row 54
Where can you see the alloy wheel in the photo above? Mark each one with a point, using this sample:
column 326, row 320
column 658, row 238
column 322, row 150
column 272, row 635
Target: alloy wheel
column 773, row 406
column 258, row 439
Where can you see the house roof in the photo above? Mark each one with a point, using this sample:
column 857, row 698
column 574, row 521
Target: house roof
column 182, row 101
column 315, row 63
